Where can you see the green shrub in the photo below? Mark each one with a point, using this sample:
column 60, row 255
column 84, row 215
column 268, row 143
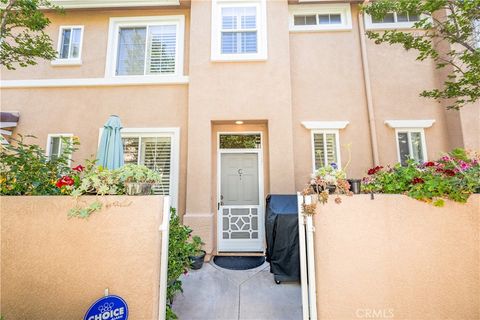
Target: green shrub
column 455, row 176
column 180, row 249
column 26, row 170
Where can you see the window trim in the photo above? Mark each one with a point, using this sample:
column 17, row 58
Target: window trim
column 315, row 9
column 337, row 146
column 69, row 61
column 262, row 43
column 370, row 25
column 116, row 23
column 174, row 134
column 409, row 131
column 50, row 136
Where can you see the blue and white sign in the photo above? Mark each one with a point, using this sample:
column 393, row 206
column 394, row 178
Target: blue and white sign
column 108, row 308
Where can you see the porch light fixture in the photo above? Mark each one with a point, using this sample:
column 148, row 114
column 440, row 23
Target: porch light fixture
column 239, row 122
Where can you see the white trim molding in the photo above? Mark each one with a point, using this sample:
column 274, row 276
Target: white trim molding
column 261, row 28
column 321, row 125
column 409, row 123
column 82, row 4
column 342, row 9
column 113, row 33
column 94, row 82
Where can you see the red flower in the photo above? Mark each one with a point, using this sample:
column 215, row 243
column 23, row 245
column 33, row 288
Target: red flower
column 374, row 170
column 417, row 180
column 64, row 181
column 79, row 168
column 449, row 172
column 430, row 164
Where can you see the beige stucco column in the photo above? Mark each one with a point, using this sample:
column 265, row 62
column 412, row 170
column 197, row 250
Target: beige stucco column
column 229, row 91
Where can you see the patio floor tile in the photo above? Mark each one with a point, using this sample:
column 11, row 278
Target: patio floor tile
column 216, row 293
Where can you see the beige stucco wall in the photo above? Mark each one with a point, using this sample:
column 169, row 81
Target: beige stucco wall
column 328, row 85
column 82, row 111
column 53, row 267
column 398, row 257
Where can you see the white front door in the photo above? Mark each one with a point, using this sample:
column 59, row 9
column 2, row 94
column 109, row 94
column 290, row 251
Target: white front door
column 240, row 215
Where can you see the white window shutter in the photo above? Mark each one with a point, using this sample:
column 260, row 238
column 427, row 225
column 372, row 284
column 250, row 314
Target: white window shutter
column 162, row 49
column 156, row 155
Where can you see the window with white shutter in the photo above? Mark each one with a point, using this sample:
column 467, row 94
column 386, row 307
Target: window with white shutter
column 146, row 46
column 325, row 148
column 239, row 30
column 155, row 152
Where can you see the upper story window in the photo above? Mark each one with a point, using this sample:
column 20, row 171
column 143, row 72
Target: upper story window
column 143, row 46
column 320, row 17
column 239, row 30
column 392, row 20
column 69, row 49
column 411, row 145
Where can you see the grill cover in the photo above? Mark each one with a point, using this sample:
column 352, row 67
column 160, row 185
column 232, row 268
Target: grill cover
column 281, row 228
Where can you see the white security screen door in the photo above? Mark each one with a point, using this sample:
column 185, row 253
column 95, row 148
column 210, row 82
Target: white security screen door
column 240, row 212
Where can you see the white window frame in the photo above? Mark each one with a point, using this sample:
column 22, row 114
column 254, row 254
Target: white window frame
column 261, row 19
column 120, row 22
column 409, row 132
column 69, row 61
column 174, row 134
column 50, row 136
column 370, row 25
column 337, row 146
column 315, row 9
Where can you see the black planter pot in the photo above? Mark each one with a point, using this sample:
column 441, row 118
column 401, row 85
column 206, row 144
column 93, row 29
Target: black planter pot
column 477, row 190
column 331, row 188
column 197, row 261
column 355, row 185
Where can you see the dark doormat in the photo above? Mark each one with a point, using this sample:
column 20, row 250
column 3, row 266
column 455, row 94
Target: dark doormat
column 238, row 262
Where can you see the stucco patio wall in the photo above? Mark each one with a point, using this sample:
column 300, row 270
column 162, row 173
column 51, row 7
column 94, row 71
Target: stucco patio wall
column 53, row 267
column 397, row 258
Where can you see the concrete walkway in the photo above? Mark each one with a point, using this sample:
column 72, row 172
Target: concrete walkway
column 216, row 293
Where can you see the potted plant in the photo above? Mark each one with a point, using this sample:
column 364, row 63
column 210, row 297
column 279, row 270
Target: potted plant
column 138, row 179
column 198, row 256
column 328, row 180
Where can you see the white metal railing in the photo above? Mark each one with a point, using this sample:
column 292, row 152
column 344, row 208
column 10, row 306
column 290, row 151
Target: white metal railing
column 165, row 230
column 307, row 260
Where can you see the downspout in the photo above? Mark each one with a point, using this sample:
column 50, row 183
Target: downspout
column 165, row 230
column 368, row 89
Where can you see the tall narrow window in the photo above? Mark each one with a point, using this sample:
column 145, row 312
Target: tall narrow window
column 411, row 145
column 325, row 148
column 155, row 152
column 70, row 42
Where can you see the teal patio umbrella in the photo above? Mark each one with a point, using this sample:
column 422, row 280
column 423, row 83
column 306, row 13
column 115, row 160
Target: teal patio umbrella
column 110, row 151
